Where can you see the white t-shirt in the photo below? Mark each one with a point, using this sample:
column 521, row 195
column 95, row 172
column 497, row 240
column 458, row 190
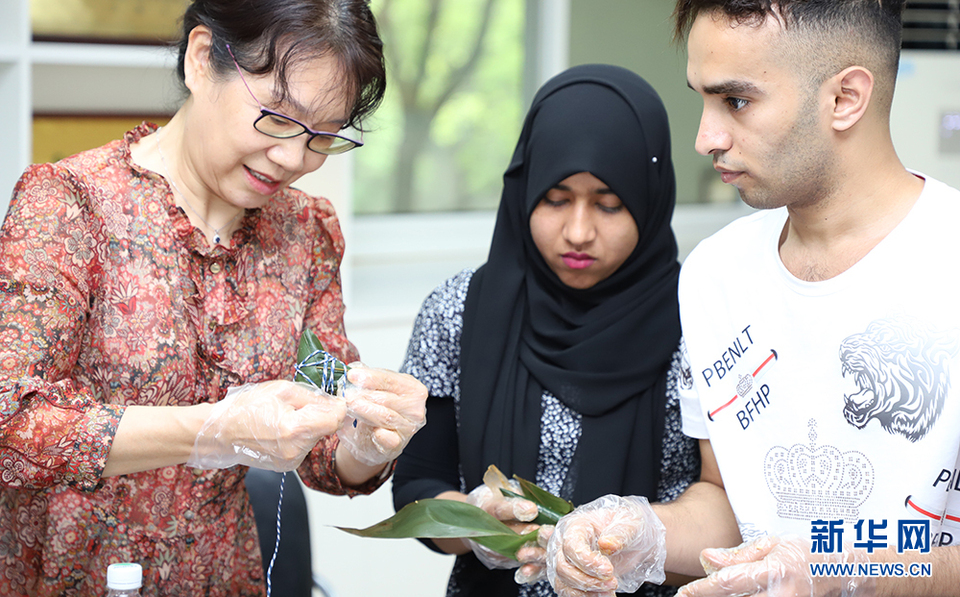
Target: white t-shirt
column 832, row 400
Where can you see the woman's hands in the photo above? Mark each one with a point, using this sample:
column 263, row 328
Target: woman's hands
column 384, row 410
column 274, row 425
column 518, row 514
column 611, row 544
column 270, row 425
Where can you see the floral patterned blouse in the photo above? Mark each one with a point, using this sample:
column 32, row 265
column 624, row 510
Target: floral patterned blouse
column 110, row 297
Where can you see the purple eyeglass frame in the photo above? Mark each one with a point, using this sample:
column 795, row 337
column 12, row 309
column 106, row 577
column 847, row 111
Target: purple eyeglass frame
column 264, row 112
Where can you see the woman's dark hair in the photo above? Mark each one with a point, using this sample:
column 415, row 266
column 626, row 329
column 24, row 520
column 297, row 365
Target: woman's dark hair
column 268, row 36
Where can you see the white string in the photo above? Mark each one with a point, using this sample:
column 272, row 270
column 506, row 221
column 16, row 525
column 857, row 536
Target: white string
column 327, row 364
column 276, row 546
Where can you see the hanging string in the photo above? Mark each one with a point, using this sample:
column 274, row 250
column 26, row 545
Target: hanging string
column 328, row 365
column 276, row 546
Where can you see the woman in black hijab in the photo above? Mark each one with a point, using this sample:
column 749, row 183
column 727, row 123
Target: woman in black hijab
column 556, row 360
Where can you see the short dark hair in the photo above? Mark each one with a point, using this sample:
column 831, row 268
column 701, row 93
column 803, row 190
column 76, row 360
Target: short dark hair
column 883, row 15
column 840, row 32
column 268, row 36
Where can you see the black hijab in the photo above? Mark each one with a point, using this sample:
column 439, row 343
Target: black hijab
column 603, row 351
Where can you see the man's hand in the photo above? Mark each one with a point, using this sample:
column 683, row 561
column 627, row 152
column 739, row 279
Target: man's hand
column 776, row 567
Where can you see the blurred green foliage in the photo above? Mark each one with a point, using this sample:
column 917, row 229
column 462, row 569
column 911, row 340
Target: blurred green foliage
column 453, row 110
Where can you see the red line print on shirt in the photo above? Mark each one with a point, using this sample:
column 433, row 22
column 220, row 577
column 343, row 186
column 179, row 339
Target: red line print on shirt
column 772, row 357
column 909, row 502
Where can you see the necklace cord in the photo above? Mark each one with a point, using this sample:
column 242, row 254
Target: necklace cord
column 169, row 177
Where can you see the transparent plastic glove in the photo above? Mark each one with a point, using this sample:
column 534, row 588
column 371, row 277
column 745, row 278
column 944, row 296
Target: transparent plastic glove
column 270, row 425
column 611, row 544
column 516, row 513
column 533, row 558
column 385, row 409
column 776, row 567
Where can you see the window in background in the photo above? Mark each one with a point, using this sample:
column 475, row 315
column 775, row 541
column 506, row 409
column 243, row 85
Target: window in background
column 931, row 25
column 453, row 110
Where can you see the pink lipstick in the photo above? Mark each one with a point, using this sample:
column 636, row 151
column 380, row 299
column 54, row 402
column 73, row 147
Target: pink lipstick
column 578, row 260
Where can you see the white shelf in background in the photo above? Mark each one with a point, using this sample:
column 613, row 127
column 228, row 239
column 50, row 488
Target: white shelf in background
column 103, row 55
column 9, row 54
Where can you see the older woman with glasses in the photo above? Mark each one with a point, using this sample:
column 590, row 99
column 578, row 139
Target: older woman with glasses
column 153, row 294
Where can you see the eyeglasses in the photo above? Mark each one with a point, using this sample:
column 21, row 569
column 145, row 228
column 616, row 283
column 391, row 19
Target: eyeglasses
column 278, row 126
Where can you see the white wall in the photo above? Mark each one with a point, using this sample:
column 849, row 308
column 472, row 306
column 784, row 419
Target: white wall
column 356, row 567
column 928, row 87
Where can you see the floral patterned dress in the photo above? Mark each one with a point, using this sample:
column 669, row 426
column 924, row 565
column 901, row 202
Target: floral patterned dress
column 109, row 297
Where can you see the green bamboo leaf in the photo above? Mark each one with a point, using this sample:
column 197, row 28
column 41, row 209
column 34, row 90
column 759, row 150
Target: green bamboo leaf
column 447, row 519
column 311, row 348
column 309, row 343
column 544, row 515
column 544, row 498
column 436, row 519
column 507, row 545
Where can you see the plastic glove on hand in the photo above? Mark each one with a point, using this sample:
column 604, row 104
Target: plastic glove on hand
column 611, row 544
column 270, row 425
column 385, row 409
column 513, row 511
column 533, row 558
column 516, row 513
column 776, row 567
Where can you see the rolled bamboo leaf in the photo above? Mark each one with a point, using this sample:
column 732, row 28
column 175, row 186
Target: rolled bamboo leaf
column 544, row 514
column 544, row 499
column 309, row 344
column 549, row 507
column 448, row 519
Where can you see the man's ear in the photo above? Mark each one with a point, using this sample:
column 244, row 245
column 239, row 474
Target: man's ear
column 852, row 89
column 196, row 62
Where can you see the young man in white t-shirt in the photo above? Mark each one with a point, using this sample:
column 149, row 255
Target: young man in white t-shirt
column 823, row 332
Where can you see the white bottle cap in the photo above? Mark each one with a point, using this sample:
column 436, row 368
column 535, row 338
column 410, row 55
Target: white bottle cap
column 124, row 576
